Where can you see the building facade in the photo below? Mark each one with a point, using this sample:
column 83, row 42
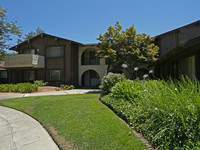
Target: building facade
column 179, row 52
column 58, row 60
column 55, row 60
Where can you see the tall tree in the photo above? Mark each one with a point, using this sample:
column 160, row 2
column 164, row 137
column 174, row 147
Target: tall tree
column 126, row 47
column 33, row 33
column 7, row 29
column 30, row 34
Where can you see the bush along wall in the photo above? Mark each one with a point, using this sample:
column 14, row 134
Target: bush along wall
column 166, row 112
column 20, row 87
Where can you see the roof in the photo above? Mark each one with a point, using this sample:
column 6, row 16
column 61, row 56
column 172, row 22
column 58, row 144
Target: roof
column 180, row 49
column 177, row 29
column 14, row 47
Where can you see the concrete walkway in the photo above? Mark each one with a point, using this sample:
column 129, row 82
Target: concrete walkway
column 19, row 131
column 75, row 91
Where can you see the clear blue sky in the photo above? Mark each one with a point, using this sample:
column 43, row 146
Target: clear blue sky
column 83, row 20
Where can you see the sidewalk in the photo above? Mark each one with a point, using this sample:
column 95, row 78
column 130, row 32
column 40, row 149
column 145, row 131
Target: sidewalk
column 19, row 131
column 75, row 91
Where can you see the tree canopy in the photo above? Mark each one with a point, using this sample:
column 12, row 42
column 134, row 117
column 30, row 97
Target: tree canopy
column 7, row 29
column 126, row 47
column 31, row 34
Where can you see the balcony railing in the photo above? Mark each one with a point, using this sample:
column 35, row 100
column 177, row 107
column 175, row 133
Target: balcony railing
column 24, row 61
column 90, row 61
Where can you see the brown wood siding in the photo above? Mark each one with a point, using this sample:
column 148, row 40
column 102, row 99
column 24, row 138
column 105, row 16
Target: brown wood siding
column 68, row 63
column 55, row 63
column 172, row 39
column 74, row 65
column 40, row 74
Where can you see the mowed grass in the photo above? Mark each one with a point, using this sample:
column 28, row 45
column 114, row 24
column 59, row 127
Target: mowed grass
column 78, row 122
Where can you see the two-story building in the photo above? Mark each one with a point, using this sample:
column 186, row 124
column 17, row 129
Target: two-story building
column 58, row 60
column 55, row 60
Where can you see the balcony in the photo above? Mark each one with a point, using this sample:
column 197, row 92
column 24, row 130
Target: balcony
column 86, row 61
column 24, row 61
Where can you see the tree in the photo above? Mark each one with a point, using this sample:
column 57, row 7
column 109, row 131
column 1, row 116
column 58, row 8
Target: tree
column 32, row 33
column 7, row 29
column 126, row 47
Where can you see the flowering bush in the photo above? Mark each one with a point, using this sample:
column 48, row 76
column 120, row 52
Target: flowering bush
column 110, row 80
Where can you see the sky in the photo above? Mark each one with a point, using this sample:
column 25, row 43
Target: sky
column 84, row 20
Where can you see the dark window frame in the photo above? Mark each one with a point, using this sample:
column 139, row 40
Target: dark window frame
column 62, row 48
column 48, row 77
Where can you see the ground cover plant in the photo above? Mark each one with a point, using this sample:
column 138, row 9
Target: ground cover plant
column 166, row 112
column 20, row 87
column 78, row 122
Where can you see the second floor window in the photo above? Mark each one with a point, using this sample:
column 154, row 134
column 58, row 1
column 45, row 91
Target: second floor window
column 54, row 51
column 89, row 58
column 29, row 51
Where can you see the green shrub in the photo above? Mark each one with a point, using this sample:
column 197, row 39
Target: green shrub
column 20, row 87
column 40, row 83
column 166, row 112
column 110, row 80
column 67, row 87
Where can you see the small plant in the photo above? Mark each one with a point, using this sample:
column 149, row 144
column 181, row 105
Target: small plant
column 40, row 83
column 110, row 80
column 67, row 87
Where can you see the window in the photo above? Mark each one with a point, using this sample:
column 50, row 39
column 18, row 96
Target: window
column 187, row 67
column 3, row 74
column 54, row 51
column 29, row 51
column 89, row 58
column 55, row 75
column 29, row 75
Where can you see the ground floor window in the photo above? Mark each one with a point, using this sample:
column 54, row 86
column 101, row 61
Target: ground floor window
column 29, row 75
column 186, row 67
column 3, row 74
column 55, row 75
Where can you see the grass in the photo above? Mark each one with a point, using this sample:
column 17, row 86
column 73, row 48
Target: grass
column 78, row 122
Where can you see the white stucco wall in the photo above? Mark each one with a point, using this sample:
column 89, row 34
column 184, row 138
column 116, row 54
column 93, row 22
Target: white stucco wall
column 100, row 69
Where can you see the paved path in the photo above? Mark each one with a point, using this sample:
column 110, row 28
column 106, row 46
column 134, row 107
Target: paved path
column 75, row 91
column 19, row 131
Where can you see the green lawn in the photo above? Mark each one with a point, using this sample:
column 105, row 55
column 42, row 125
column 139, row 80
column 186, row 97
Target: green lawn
column 78, row 122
